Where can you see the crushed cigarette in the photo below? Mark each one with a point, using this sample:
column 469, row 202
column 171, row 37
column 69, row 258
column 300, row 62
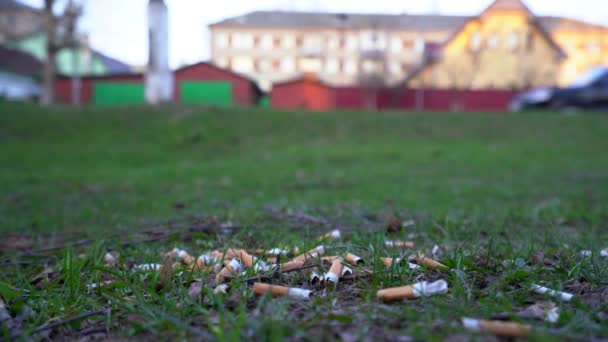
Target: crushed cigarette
column 221, row 289
column 388, row 262
column 333, row 235
column 333, row 275
column 184, row 256
column 565, row 296
column 281, row 291
column 148, row 267
column 233, row 268
column 95, row 285
column 399, row 243
column 109, row 258
column 354, row 260
column 422, row 289
column 499, row 328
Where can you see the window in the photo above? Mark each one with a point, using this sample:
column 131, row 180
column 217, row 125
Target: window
column 352, row 43
column 530, row 41
column 396, row 44
column 266, row 41
column 331, row 65
column 475, row 43
column 288, row 41
column 513, row 41
column 312, row 65
column 242, row 64
column 333, row 42
column 493, row 40
column 287, row 65
column 221, row 40
column 419, row 44
column 222, row 62
column 242, row 40
column 350, row 67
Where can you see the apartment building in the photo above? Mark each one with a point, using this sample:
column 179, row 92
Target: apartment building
column 350, row 49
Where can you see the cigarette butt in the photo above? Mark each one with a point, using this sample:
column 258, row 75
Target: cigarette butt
column 295, row 250
column 109, row 258
column 346, row 271
column 353, row 259
column 388, row 262
column 233, row 268
column 604, row 252
column 182, row 255
column 250, row 261
column 330, row 258
column 148, row 267
column 430, row 263
column 421, row 289
column 313, row 253
column 396, row 293
column 290, row 265
column 333, row 275
column 315, row 277
column 275, row 252
column 272, row 260
column 333, row 235
column 565, row 296
column 499, row 328
column 399, row 243
column 95, row 285
column 280, row 291
column 221, row 289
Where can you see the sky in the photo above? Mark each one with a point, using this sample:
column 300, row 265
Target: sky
column 118, row 27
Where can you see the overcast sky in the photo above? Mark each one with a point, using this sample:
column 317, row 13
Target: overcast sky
column 118, row 27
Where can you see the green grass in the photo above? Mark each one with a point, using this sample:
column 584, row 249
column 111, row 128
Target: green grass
column 486, row 188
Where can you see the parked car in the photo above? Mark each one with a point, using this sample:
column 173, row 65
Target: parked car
column 589, row 91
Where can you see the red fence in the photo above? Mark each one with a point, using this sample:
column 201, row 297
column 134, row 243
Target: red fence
column 313, row 95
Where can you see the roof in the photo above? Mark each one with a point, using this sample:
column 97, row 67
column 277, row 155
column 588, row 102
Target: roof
column 114, row 65
column 19, row 62
column 508, row 5
column 342, row 20
column 298, row 20
column 4, row 4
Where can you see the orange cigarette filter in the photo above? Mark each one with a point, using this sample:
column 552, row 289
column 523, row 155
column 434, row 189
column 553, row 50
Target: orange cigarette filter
column 275, row 290
column 430, row 263
column 230, row 270
column 353, row 259
column 394, row 294
column 387, row 261
column 334, row 273
column 290, row 265
column 498, row 328
column 330, row 258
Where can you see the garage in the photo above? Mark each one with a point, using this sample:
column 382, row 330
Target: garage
column 217, row 93
column 118, row 93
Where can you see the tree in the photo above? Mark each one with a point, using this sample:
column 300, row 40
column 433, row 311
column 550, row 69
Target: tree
column 60, row 33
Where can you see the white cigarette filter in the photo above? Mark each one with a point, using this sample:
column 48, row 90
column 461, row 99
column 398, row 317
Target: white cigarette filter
column 333, row 235
column 315, row 277
column 499, row 328
column 148, row 267
column 388, row 262
column 109, row 258
column 221, row 289
column 346, row 271
column 565, row 296
column 311, row 254
column 335, row 271
column 281, row 291
column 354, row 260
column 275, row 252
column 184, row 256
column 422, row 289
column 233, row 268
column 604, row 252
column 399, row 243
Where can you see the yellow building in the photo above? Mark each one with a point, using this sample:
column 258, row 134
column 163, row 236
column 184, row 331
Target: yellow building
column 508, row 47
column 504, row 47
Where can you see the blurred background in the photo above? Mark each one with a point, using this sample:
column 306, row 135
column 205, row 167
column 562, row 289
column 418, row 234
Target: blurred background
column 482, row 55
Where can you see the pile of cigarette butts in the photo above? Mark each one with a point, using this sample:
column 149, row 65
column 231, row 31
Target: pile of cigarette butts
column 233, row 262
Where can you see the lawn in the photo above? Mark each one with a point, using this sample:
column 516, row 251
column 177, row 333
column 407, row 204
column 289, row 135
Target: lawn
column 509, row 199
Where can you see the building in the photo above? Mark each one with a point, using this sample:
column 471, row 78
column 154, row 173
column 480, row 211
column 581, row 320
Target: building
column 19, row 75
column 350, row 49
column 18, row 20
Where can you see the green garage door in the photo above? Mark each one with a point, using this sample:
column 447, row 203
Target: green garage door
column 206, row 92
column 118, row 93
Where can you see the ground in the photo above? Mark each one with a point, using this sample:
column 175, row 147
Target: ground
column 509, row 199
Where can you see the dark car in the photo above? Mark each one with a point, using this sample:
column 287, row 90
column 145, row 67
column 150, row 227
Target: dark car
column 589, row 91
